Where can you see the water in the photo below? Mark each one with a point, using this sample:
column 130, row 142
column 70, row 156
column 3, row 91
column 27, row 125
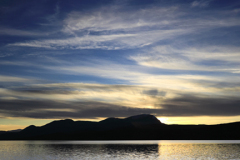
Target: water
column 75, row 150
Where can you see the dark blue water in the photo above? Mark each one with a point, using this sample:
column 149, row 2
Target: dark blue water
column 75, row 150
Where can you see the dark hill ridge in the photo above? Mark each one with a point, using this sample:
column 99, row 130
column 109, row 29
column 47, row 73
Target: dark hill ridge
column 10, row 131
column 138, row 121
column 139, row 127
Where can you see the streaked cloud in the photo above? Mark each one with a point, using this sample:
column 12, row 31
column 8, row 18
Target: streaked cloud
column 183, row 106
column 17, row 32
column 113, row 27
column 201, row 3
column 15, row 79
column 116, row 18
column 215, row 58
column 108, row 42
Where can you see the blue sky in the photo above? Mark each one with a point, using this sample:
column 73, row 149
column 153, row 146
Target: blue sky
column 88, row 60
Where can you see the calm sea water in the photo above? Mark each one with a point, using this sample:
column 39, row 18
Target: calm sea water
column 76, row 150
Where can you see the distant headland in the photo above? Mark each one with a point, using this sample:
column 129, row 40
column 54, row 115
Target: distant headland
column 138, row 127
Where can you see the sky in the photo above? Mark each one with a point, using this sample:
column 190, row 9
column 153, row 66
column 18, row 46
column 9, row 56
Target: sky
column 93, row 59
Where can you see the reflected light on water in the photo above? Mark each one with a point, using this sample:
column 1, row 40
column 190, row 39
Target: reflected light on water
column 75, row 150
column 198, row 150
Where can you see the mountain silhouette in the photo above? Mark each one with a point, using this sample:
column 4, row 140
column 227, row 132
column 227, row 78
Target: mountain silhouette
column 138, row 127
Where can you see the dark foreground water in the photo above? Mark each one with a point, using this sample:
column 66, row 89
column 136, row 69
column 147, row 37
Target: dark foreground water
column 80, row 150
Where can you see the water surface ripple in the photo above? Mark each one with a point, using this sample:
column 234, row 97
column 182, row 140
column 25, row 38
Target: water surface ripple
column 75, row 150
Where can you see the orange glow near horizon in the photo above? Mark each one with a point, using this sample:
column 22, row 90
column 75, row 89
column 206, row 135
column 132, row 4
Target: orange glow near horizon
column 208, row 120
column 11, row 127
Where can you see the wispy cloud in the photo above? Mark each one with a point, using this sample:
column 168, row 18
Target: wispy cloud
column 214, row 58
column 224, row 83
column 116, row 27
column 16, row 32
column 201, row 3
column 108, row 42
column 15, row 79
column 115, row 18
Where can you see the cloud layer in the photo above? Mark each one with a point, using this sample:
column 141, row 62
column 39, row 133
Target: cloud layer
column 78, row 100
